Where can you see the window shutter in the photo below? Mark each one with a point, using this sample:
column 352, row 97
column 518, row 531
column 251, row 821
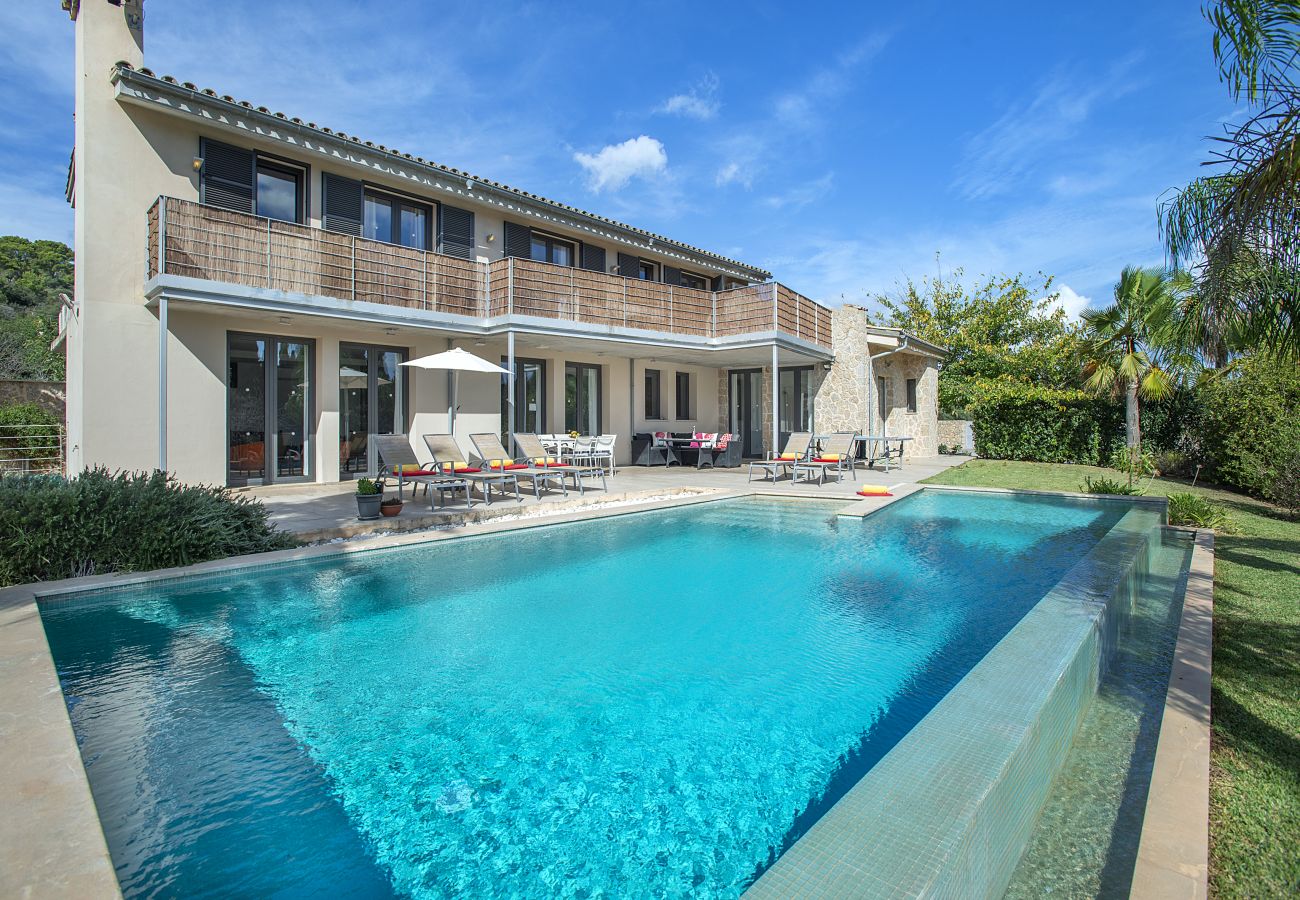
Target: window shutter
column 455, row 231
column 671, row 275
column 519, row 240
column 228, row 174
column 593, row 258
column 342, row 204
column 629, row 266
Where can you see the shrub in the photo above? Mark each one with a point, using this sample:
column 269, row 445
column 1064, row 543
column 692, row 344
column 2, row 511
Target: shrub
column 1284, row 489
column 943, row 449
column 1173, row 463
column 368, row 487
column 1109, row 486
column 1025, row 422
column 1194, row 510
column 51, row 527
column 1250, row 422
column 1129, row 459
column 29, row 432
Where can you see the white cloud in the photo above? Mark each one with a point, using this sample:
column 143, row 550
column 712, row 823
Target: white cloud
column 1068, row 299
column 732, row 173
column 801, row 194
column 1000, row 156
column 700, row 102
column 801, row 107
column 616, row 164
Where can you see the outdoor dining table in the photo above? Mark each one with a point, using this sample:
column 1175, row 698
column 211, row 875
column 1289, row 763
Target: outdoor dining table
column 876, row 448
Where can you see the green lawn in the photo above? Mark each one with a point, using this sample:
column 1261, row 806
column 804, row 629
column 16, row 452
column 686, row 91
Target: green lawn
column 1255, row 755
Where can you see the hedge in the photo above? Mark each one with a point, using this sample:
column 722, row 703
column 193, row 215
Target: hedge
column 1248, row 423
column 1025, row 422
column 52, row 527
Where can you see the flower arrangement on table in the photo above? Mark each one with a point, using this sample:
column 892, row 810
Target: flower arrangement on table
column 574, row 434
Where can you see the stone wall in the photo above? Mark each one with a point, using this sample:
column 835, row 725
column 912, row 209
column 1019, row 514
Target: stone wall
column 957, row 433
column 48, row 395
column 859, row 394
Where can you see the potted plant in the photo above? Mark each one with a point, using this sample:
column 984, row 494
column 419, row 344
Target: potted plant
column 391, row 506
column 370, row 494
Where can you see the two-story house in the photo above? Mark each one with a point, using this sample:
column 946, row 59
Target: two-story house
column 248, row 283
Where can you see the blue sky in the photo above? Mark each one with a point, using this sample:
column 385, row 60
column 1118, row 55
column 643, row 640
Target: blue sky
column 840, row 146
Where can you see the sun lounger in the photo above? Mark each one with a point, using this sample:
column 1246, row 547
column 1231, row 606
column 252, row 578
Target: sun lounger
column 534, row 454
column 398, row 460
column 450, row 460
column 836, row 455
column 796, row 450
column 496, row 458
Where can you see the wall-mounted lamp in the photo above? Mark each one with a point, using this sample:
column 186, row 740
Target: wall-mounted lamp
column 390, row 331
column 197, row 164
column 490, row 237
column 284, row 320
column 469, row 184
column 826, row 366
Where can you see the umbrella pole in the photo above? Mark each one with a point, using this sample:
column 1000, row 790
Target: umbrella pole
column 455, row 389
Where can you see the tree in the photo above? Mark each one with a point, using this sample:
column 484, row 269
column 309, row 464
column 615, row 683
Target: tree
column 32, row 275
column 1003, row 329
column 1130, row 347
column 1240, row 227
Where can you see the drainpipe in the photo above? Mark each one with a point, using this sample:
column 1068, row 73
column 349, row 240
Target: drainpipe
column 871, row 369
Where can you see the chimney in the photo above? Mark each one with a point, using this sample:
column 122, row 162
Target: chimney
column 109, row 24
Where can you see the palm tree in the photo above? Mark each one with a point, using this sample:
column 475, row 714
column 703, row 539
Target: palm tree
column 1240, row 226
column 1129, row 347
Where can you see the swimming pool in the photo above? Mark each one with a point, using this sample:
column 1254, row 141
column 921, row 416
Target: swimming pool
column 656, row 703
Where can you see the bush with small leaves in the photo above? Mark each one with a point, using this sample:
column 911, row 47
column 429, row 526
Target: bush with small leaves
column 102, row 521
column 1284, row 487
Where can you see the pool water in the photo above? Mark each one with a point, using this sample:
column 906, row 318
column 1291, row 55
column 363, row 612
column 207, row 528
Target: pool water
column 650, row 704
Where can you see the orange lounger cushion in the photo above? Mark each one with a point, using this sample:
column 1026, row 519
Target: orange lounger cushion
column 874, row 490
column 500, row 465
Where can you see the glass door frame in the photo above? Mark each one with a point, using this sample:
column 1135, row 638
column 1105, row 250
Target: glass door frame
column 518, row 426
column 753, row 404
column 802, row 378
column 402, row 412
column 270, row 419
column 577, row 368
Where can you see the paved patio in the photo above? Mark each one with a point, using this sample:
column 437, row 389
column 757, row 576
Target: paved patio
column 321, row 512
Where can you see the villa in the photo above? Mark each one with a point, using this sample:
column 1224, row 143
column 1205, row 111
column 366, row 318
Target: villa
column 688, row 684
column 248, row 283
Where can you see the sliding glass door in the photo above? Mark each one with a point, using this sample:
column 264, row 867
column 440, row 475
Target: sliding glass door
column 268, row 408
column 582, row 398
column 796, row 400
column 372, row 400
column 530, row 397
column 745, row 394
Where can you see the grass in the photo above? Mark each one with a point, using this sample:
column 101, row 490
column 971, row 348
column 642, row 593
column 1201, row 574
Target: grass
column 1255, row 695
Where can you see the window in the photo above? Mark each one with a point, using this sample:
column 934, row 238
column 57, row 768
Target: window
column 647, row 271
column 395, row 221
column 269, row 406
column 683, row 396
column 691, row 280
column 796, row 399
column 551, row 250
column 653, row 409
column 911, row 395
column 279, row 192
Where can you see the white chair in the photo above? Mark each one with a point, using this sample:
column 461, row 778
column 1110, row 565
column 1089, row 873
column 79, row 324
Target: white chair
column 602, row 452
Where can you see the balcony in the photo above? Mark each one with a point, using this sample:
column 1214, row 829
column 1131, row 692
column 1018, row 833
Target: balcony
column 197, row 241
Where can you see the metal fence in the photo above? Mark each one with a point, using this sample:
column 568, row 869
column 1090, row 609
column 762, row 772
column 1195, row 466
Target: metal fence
column 32, row 449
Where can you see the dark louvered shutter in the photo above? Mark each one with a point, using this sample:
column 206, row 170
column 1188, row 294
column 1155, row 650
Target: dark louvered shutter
column 715, row 283
column 519, row 240
column 342, row 204
column 629, row 266
column 593, row 257
column 228, row 174
column 671, row 275
column 455, row 231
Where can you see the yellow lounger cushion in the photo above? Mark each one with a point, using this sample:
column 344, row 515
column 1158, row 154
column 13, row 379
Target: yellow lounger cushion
column 545, row 461
column 874, row 490
column 790, row 455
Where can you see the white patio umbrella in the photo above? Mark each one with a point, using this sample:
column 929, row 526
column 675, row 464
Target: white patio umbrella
column 456, row 361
